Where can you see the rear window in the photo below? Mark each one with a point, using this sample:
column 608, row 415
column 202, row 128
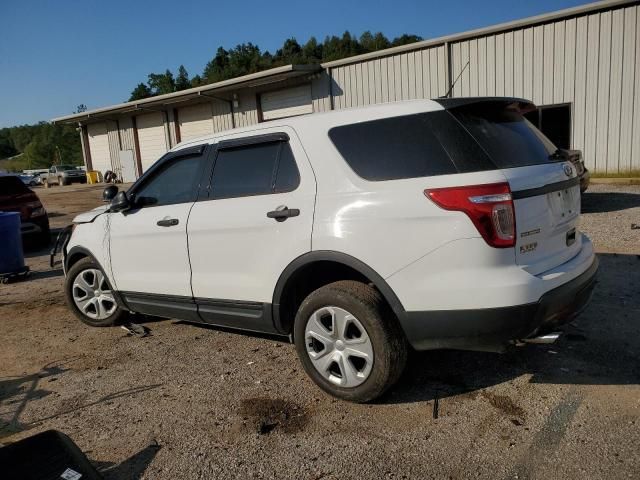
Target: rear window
column 471, row 138
column 507, row 137
column 12, row 186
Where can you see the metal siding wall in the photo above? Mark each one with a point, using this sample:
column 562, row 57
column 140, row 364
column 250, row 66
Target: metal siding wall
column 558, row 63
column 418, row 74
column 518, row 63
column 126, row 133
column 630, row 80
column 473, row 68
column 221, row 116
column 602, row 104
column 568, row 89
column 580, row 95
column 114, row 146
column 635, row 147
column 615, row 92
column 508, row 63
column 320, row 92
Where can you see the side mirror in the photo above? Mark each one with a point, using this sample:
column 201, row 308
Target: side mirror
column 109, row 193
column 120, row 202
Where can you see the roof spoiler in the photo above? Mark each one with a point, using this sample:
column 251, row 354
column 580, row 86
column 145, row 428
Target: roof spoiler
column 521, row 104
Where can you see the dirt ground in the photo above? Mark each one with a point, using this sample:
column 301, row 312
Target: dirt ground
column 196, row 402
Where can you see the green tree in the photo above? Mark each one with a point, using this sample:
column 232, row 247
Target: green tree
column 217, row 67
column 370, row 42
column 161, row 83
column 140, row 92
column 182, row 80
column 405, row 39
column 312, row 51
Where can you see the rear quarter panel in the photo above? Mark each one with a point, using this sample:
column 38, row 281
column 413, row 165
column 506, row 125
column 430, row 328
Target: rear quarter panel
column 385, row 224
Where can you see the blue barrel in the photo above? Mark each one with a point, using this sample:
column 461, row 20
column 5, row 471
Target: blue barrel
column 11, row 256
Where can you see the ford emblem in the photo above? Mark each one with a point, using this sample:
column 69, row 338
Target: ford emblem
column 568, row 170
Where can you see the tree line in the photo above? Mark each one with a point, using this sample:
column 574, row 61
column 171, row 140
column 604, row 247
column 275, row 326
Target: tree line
column 247, row 58
column 41, row 146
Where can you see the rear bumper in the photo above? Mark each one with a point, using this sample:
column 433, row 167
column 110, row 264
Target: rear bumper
column 492, row 329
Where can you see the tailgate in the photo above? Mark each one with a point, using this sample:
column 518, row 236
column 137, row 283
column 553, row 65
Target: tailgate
column 547, row 208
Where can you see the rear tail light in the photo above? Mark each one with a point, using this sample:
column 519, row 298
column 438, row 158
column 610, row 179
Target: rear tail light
column 490, row 208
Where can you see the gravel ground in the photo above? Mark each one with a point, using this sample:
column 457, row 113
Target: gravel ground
column 191, row 402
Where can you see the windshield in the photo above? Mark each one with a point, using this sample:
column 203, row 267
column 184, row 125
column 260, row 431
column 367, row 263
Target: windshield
column 66, row 167
column 509, row 138
column 11, row 185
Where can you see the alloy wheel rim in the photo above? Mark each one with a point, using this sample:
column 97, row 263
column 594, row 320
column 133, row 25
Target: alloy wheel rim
column 339, row 347
column 92, row 294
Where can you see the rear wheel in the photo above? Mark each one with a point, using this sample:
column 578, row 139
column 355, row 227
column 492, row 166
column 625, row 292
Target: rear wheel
column 89, row 295
column 349, row 341
column 62, row 181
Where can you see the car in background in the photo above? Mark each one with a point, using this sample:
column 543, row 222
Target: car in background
column 575, row 157
column 15, row 196
column 64, row 175
column 31, row 180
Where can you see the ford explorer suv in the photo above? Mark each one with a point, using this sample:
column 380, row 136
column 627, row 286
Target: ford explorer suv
column 357, row 233
column 64, row 175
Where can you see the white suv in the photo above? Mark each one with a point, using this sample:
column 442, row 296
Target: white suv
column 449, row 223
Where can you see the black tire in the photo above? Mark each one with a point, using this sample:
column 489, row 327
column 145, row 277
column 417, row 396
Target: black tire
column 88, row 263
column 62, row 181
column 387, row 338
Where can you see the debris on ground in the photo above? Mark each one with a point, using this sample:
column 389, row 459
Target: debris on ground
column 135, row 329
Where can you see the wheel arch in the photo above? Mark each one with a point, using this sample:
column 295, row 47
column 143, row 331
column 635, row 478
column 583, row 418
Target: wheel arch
column 293, row 283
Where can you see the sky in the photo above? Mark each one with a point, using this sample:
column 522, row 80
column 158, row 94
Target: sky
column 57, row 54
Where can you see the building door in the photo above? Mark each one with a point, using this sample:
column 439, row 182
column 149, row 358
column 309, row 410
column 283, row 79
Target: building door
column 99, row 147
column 195, row 121
column 128, row 166
column 286, row 103
column 151, row 137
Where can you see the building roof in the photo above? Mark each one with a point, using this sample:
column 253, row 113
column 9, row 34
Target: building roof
column 264, row 77
column 525, row 22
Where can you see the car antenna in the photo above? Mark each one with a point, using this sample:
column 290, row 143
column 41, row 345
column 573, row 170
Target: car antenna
column 448, row 95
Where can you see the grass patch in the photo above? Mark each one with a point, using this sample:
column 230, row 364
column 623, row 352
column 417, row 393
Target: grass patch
column 627, row 174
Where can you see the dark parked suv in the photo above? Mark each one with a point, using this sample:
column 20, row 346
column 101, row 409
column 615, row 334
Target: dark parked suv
column 15, row 196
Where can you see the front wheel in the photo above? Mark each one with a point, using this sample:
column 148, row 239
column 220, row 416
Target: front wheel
column 90, row 296
column 349, row 341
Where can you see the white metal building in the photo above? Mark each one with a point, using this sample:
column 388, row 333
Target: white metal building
column 581, row 66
